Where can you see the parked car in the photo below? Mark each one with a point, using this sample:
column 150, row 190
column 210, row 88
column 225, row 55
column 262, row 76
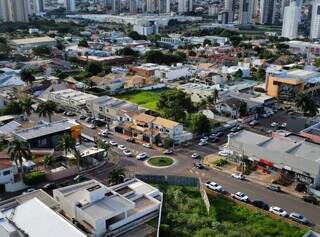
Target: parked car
column 82, row 117
column 274, row 124
column 29, row 190
column 213, row 136
column 278, row 211
column 238, row 176
column 204, row 139
column 225, row 153
column 203, row 143
column 103, row 134
column 127, row 153
column 297, row 217
column 142, row 156
column 80, row 178
column 214, row 140
column 99, row 123
column 220, row 134
column 253, row 123
column 49, row 186
column 214, row 186
column 113, row 143
column 168, row 152
column 195, row 156
column 92, row 126
column 240, row 196
column 88, row 120
column 131, row 139
column 310, row 199
column 274, row 187
column 260, row 204
column 198, row 165
column 284, row 125
column 146, row 145
column 122, row 147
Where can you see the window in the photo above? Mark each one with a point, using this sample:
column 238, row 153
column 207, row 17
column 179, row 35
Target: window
column 7, row 172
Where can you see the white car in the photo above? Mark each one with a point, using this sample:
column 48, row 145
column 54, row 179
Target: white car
column 146, row 145
column 168, row 152
column 278, row 211
column 238, row 176
column 122, row 147
column 274, row 124
column 29, row 190
column 195, row 156
column 204, row 139
column 214, row 186
column 142, row 156
column 103, row 134
column 284, row 125
column 203, row 143
column 297, row 217
column 127, row 153
column 113, row 143
column 225, row 153
column 240, row 196
column 253, row 123
column 92, row 126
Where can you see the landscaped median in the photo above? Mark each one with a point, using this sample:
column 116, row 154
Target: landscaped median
column 160, row 161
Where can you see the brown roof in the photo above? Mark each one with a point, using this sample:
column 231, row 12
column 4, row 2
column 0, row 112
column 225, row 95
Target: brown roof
column 142, row 117
column 166, row 123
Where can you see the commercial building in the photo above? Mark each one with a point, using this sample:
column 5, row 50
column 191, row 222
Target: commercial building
column 171, row 73
column 302, row 47
column 70, row 5
column 35, row 214
column 147, row 28
column 116, row 6
column 14, row 10
column 312, row 133
column 283, row 152
column 48, row 135
column 30, row 43
column 110, row 211
column 286, row 84
column 246, row 12
column 71, row 99
column 185, row 6
column 291, row 19
column 315, row 20
column 229, row 9
column 269, row 11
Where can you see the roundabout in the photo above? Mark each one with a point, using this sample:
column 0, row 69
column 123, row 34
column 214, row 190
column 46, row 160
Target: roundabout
column 160, row 161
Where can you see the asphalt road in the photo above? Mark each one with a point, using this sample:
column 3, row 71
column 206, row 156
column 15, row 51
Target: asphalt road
column 184, row 167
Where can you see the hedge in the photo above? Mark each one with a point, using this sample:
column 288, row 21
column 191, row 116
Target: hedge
column 34, row 177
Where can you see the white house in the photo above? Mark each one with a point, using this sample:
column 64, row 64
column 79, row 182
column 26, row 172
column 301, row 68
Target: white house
column 171, row 73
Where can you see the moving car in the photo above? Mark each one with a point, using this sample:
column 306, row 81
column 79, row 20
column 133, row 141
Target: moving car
column 214, row 186
column 238, row 176
column 103, row 134
column 127, row 153
column 146, row 145
column 297, row 217
column 113, row 143
column 195, row 156
column 225, row 153
column 198, row 165
column 203, row 143
column 168, row 152
column 274, row 124
column 274, row 187
column 142, row 156
column 260, row 204
column 122, row 147
column 310, row 199
column 240, row 196
column 278, row 211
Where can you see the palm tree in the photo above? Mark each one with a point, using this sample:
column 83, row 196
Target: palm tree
column 49, row 161
column 46, row 109
column 67, row 144
column 103, row 145
column 27, row 103
column 18, row 151
column 116, row 176
column 215, row 95
column 27, row 77
column 305, row 103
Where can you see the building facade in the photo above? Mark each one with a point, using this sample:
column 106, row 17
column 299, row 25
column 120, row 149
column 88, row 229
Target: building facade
column 291, row 19
column 14, row 10
column 315, row 20
column 246, row 12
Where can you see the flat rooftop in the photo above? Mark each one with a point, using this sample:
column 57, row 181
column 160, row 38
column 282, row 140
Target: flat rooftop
column 45, row 129
column 33, row 40
column 313, row 130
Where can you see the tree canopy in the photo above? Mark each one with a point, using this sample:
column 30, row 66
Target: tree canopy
column 200, row 124
column 156, row 56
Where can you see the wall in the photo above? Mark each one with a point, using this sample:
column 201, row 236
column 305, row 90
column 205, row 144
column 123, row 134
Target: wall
column 62, row 174
column 168, row 179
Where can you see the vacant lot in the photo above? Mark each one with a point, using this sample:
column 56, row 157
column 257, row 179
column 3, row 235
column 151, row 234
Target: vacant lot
column 184, row 215
column 146, row 99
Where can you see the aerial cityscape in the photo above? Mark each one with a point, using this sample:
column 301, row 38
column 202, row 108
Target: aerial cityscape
column 160, row 118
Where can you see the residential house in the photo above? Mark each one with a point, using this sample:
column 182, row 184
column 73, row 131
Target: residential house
column 7, row 168
column 10, row 78
column 110, row 211
column 171, row 73
column 110, row 82
column 137, row 81
column 145, row 70
column 229, row 107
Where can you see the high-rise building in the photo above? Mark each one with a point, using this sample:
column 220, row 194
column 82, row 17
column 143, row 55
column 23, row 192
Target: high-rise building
column 284, row 3
column 164, row 6
column 291, row 19
column 315, row 20
column 151, row 6
column 269, row 11
column 246, row 12
column 70, row 5
column 185, row 6
column 229, row 8
column 116, row 6
column 14, row 10
column 133, row 7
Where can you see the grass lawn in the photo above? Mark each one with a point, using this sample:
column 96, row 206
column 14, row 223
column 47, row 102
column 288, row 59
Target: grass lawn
column 146, row 99
column 160, row 161
column 184, row 215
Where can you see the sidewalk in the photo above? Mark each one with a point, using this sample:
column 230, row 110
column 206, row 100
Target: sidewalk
column 254, row 177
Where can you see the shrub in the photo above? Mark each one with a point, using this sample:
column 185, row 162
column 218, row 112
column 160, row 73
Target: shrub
column 34, row 177
column 220, row 162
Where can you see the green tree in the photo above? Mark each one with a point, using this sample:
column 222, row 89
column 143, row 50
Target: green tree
column 27, row 103
column 168, row 143
column 238, row 74
column 261, row 74
column 94, row 68
column 83, row 43
column 116, row 176
column 200, row 124
column 207, row 42
column 27, row 77
column 89, row 83
column 243, row 108
column 47, row 109
column 174, row 104
column 317, row 62
column 13, row 107
column 306, row 104
column 19, row 151
column 126, row 51
column 42, row 51
column 49, row 161
column 136, row 36
column 103, row 145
